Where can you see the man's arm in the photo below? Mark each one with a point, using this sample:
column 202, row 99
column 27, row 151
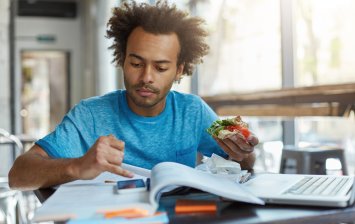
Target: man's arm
column 35, row 169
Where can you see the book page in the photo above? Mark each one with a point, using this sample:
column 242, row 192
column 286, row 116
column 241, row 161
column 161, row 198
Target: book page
column 137, row 170
column 169, row 173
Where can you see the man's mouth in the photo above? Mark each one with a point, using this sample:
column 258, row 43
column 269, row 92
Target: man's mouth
column 145, row 92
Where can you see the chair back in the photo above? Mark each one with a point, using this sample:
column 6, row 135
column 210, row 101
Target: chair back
column 6, row 137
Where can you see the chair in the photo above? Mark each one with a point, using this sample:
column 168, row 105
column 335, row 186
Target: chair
column 310, row 160
column 8, row 203
column 22, row 203
column 7, row 138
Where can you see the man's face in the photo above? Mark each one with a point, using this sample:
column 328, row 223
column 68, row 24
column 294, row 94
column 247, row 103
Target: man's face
column 150, row 68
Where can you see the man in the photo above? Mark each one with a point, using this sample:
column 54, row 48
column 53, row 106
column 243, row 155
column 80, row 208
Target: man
column 144, row 124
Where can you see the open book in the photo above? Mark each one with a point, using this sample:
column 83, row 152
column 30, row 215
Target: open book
column 88, row 199
column 167, row 174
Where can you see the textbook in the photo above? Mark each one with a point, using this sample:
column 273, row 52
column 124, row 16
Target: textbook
column 167, row 174
column 95, row 198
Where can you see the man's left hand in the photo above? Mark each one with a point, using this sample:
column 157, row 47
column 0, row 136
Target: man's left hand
column 237, row 147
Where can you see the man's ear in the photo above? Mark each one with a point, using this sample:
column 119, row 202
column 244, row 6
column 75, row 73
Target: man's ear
column 179, row 72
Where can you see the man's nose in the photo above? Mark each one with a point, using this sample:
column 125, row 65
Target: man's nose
column 147, row 74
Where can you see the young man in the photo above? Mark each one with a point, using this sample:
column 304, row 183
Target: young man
column 144, row 124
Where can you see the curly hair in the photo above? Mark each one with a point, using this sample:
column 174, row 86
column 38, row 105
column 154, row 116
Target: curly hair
column 159, row 19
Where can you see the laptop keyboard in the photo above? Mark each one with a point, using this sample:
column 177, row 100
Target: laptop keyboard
column 319, row 186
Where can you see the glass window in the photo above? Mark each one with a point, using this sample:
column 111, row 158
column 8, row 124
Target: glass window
column 244, row 34
column 268, row 151
column 324, row 42
column 245, row 45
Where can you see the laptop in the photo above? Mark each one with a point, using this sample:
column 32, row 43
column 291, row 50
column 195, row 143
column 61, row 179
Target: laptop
column 300, row 189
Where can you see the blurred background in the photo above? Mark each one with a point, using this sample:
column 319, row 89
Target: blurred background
column 286, row 66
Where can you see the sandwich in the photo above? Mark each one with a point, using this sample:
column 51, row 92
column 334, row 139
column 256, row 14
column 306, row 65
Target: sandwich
column 227, row 127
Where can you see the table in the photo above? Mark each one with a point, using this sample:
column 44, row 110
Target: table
column 237, row 212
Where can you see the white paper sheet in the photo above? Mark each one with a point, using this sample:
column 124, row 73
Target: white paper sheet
column 86, row 198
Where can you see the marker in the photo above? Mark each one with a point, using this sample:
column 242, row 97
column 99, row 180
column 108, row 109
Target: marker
column 126, row 213
column 184, row 206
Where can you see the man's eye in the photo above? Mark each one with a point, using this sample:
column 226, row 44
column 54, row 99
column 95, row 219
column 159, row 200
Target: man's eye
column 160, row 69
column 136, row 65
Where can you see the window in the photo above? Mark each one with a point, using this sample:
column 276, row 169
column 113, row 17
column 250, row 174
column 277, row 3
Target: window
column 245, row 56
column 245, row 52
column 244, row 34
column 324, row 42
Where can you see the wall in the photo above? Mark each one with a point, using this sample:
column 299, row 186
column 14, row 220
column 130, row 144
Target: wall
column 4, row 83
column 68, row 35
column 4, row 65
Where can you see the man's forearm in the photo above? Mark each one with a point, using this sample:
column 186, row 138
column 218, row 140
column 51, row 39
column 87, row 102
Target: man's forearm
column 32, row 171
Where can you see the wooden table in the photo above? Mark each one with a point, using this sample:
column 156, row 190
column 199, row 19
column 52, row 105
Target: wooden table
column 324, row 100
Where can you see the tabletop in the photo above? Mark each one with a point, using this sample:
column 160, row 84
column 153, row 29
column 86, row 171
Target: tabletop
column 237, row 212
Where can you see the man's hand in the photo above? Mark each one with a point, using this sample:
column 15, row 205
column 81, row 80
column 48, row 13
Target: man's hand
column 105, row 155
column 238, row 148
column 35, row 169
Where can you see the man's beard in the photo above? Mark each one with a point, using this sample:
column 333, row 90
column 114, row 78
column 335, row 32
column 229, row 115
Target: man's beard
column 141, row 101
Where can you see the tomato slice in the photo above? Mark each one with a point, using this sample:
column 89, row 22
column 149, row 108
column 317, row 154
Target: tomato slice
column 244, row 131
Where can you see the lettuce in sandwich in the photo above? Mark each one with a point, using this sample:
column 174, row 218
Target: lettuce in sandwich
column 227, row 127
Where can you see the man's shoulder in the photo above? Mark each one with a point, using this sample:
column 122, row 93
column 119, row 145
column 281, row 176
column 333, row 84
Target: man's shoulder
column 107, row 102
column 107, row 98
column 185, row 97
column 190, row 103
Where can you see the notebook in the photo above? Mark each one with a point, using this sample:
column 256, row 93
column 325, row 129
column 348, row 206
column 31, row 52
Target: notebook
column 297, row 189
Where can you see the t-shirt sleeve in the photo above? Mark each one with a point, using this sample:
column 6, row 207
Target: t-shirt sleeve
column 73, row 136
column 207, row 144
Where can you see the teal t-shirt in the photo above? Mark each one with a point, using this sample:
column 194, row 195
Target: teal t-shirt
column 176, row 134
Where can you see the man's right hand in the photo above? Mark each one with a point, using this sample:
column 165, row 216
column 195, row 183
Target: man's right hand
column 105, row 155
column 35, row 169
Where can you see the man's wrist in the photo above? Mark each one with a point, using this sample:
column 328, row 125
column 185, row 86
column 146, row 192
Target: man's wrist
column 73, row 171
column 247, row 163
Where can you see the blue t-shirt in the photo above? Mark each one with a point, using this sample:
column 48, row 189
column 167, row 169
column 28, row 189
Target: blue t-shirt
column 176, row 134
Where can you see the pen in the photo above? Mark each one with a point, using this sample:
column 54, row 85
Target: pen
column 245, row 178
column 148, row 184
column 110, row 181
